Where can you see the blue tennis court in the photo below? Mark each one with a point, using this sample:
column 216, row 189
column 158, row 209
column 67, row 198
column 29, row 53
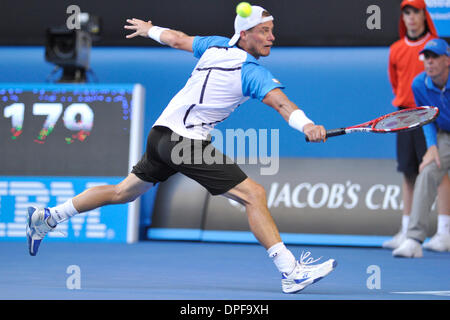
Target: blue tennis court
column 176, row 270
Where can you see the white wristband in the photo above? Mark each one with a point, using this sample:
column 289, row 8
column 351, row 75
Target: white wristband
column 155, row 33
column 298, row 120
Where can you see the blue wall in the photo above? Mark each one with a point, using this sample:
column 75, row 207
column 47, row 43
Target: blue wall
column 336, row 87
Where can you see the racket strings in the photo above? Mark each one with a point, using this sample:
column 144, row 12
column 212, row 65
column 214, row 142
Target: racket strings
column 407, row 118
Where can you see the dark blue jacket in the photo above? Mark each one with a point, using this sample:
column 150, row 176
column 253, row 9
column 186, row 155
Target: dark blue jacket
column 427, row 94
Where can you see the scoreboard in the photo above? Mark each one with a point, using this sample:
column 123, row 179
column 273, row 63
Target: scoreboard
column 56, row 140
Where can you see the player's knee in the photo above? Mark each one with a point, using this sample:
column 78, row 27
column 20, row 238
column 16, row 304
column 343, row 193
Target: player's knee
column 257, row 193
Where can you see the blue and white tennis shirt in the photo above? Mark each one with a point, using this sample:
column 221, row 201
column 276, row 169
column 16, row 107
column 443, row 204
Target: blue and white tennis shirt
column 224, row 78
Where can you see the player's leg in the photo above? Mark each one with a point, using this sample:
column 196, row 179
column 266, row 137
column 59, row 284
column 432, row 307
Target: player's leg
column 223, row 177
column 126, row 191
column 149, row 170
column 296, row 275
column 253, row 196
column 43, row 220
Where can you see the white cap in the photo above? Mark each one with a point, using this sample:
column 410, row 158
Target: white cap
column 242, row 24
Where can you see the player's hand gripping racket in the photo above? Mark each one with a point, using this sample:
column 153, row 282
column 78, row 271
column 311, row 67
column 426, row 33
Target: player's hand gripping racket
column 402, row 120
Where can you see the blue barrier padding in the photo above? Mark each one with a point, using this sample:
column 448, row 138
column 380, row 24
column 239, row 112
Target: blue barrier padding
column 248, row 237
column 335, row 86
column 105, row 224
column 175, row 234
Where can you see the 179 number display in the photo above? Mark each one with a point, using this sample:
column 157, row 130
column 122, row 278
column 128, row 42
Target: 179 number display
column 77, row 117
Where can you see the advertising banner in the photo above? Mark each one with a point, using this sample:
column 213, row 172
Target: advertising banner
column 108, row 223
column 344, row 201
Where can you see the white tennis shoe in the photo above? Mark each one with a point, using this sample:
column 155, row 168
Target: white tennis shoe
column 395, row 241
column 37, row 227
column 439, row 242
column 409, row 249
column 306, row 274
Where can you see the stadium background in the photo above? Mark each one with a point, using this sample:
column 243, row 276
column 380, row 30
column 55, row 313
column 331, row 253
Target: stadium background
column 332, row 64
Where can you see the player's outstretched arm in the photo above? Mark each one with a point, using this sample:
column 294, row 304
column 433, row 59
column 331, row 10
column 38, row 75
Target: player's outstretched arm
column 294, row 116
column 172, row 38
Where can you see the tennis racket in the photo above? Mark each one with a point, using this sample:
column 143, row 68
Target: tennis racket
column 402, row 120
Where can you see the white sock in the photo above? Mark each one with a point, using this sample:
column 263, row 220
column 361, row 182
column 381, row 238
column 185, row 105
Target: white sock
column 282, row 257
column 63, row 212
column 443, row 226
column 405, row 221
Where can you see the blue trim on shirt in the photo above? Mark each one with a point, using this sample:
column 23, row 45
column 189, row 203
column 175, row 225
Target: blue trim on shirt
column 257, row 81
column 201, row 44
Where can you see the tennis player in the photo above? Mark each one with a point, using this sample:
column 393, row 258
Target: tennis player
column 227, row 74
column 416, row 28
column 431, row 88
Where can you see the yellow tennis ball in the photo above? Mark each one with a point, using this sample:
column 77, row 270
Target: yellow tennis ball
column 244, row 9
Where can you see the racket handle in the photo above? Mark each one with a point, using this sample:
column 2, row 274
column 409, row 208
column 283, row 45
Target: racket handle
column 332, row 133
column 335, row 132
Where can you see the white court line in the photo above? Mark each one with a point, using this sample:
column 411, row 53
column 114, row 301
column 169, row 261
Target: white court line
column 435, row 293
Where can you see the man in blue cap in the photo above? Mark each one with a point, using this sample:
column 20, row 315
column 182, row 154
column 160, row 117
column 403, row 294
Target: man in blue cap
column 431, row 88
